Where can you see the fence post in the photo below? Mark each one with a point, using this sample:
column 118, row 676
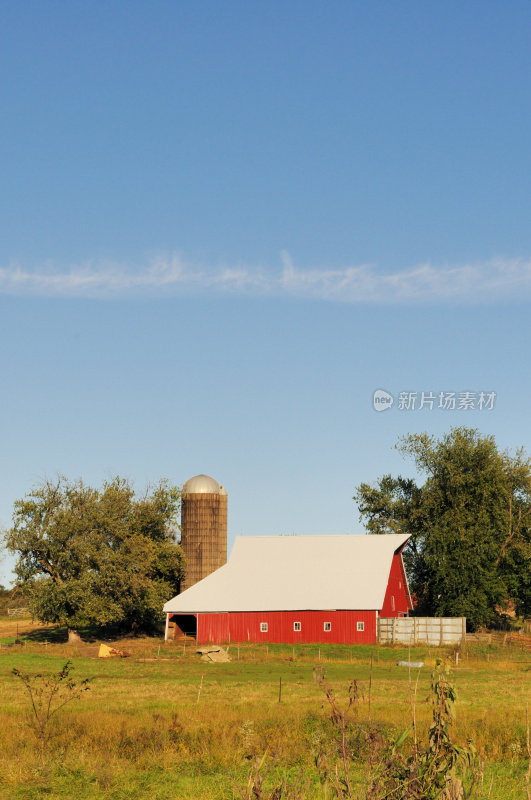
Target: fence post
column 441, row 633
column 394, row 631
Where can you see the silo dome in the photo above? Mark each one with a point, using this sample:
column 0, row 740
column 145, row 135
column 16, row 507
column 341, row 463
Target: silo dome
column 202, row 484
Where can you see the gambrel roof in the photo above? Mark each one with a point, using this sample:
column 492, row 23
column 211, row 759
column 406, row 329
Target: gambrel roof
column 288, row 573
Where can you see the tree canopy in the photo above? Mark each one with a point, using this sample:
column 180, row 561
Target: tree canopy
column 470, row 524
column 96, row 556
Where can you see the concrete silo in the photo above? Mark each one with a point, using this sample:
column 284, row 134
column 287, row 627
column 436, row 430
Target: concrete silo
column 203, row 528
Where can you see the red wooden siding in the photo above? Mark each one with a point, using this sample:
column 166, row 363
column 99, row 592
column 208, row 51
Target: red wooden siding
column 397, row 601
column 244, row 626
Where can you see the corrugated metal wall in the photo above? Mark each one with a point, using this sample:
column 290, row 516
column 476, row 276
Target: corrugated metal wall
column 245, row 627
column 434, row 631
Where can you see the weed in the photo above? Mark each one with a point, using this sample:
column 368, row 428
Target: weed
column 49, row 694
column 342, row 719
column 440, row 769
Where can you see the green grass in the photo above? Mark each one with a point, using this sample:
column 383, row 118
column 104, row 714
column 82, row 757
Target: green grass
column 141, row 733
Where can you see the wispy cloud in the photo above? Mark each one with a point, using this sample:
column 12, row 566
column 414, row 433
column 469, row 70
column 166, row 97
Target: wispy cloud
column 422, row 283
column 171, row 275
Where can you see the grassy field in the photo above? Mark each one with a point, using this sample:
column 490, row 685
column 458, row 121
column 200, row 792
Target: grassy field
column 161, row 724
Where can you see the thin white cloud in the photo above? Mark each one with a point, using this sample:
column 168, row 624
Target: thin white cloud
column 170, row 275
column 364, row 284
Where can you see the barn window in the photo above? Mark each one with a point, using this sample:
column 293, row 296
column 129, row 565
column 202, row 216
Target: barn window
column 263, row 627
column 399, row 584
column 327, row 626
column 296, row 626
column 392, row 602
column 360, row 626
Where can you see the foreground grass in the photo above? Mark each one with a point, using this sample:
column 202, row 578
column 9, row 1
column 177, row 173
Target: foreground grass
column 161, row 724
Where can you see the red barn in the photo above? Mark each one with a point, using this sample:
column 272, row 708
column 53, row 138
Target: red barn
column 297, row 589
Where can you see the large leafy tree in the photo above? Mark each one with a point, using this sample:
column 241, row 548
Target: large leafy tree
column 96, row 556
column 470, row 524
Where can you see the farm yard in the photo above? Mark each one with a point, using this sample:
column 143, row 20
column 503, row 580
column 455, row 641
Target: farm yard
column 164, row 725
column 264, row 292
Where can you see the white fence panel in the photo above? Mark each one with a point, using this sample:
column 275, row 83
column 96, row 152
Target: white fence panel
column 435, row 631
column 17, row 612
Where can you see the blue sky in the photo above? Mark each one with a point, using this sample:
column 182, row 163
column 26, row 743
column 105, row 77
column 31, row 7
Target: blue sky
column 225, row 225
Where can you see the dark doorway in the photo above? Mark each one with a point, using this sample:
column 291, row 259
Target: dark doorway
column 185, row 625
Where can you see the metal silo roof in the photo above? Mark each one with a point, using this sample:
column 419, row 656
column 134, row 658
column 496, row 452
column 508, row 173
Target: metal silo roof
column 203, row 484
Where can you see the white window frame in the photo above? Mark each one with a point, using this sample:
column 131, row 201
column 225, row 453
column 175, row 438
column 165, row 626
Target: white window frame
column 264, row 627
column 297, row 626
column 327, row 627
column 360, row 625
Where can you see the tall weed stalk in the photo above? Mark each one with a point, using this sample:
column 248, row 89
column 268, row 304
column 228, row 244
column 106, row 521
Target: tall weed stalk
column 49, row 694
column 440, row 769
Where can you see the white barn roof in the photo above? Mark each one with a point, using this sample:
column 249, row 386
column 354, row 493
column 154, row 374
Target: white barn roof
column 292, row 573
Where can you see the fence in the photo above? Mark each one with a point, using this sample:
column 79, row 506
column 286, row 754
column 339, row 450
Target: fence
column 17, row 612
column 501, row 639
column 435, row 631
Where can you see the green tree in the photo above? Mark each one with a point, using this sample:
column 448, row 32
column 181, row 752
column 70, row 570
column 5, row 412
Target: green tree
column 470, row 546
column 89, row 556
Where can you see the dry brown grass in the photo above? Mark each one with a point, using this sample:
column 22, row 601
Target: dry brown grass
column 16, row 626
column 142, row 717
